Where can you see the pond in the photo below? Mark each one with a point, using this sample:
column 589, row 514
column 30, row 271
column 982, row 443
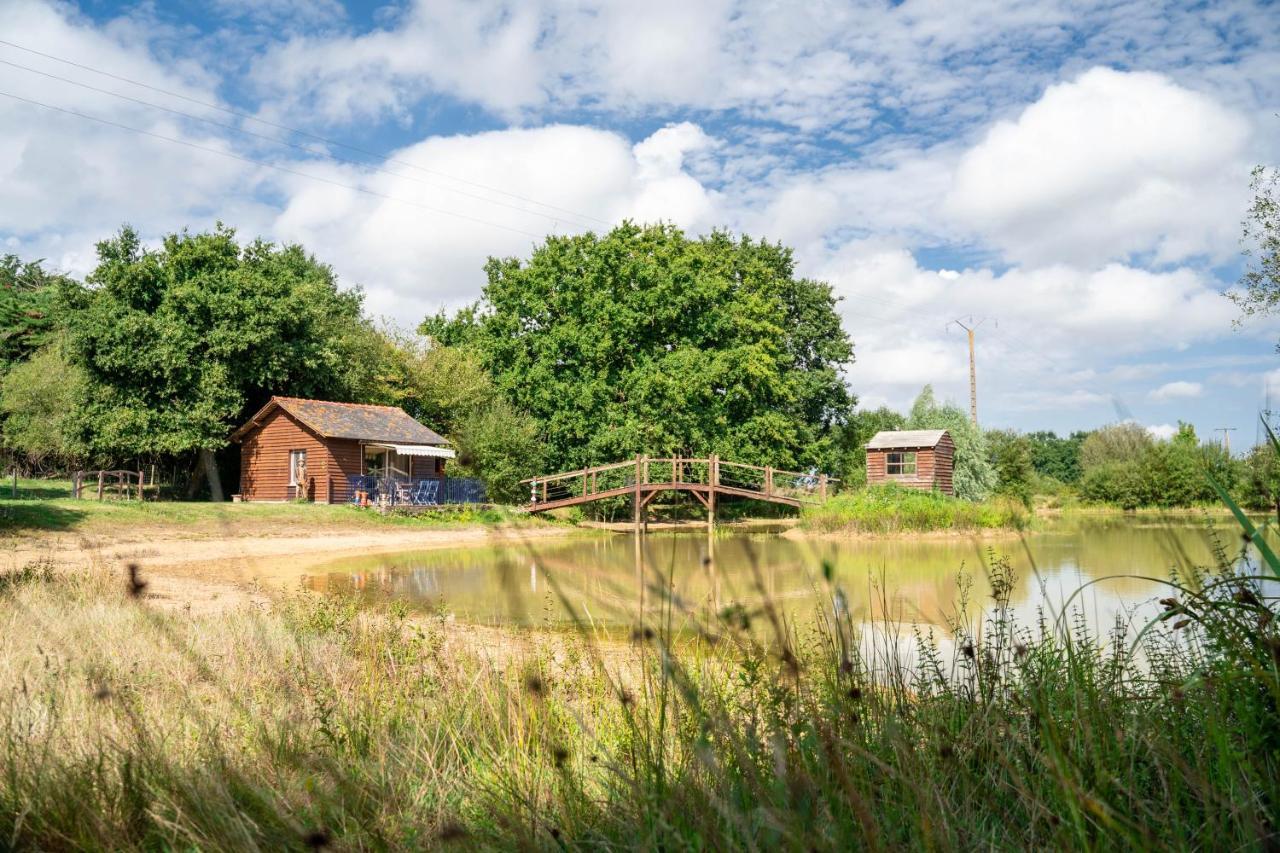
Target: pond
column 608, row 581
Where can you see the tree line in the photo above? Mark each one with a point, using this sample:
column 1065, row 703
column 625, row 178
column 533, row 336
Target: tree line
column 597, row 347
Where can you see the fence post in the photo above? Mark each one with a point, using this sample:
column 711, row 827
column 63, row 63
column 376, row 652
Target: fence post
column 101, row 480
column 141, row 479
column 15, row 483
column 822, row 486
column 768, row 480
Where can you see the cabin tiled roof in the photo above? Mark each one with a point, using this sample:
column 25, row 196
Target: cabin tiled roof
column 906, row 439
column 349, row 420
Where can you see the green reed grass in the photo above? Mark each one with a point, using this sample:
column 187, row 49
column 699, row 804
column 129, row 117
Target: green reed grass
column 321, row 722
column 892, row 508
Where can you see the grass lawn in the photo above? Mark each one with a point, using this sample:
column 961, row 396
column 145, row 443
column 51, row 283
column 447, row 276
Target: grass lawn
column 45, row 505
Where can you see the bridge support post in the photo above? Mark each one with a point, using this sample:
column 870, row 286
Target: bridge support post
column 713, row 480
column 637, row 503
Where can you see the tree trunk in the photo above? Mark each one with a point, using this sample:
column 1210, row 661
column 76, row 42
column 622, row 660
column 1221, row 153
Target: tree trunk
column 211, row 474
column 193, row 479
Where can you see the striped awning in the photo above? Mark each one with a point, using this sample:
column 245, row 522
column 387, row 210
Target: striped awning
column 419, row 450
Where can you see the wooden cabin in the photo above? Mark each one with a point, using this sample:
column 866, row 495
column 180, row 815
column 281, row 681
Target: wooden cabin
column 310, row 449
column 916, row 458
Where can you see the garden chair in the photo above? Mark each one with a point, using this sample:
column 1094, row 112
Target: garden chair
column 427, row 493
column 403, row 493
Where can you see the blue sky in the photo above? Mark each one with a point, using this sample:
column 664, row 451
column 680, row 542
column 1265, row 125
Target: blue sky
column 1072, row 173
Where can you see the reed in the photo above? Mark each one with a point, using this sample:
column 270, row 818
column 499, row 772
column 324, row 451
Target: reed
column 893, row 509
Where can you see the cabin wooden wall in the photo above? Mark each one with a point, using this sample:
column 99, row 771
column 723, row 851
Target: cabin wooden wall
column 264, row 463
column 933, row 467
column 944, row 467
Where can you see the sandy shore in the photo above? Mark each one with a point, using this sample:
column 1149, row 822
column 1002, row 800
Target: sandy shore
column 206, row 573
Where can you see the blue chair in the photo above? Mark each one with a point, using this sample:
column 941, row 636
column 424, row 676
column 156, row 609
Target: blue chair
column 427, row 493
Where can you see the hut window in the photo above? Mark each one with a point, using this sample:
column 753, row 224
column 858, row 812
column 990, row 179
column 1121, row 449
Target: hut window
column 902, row 464
column 297, row 467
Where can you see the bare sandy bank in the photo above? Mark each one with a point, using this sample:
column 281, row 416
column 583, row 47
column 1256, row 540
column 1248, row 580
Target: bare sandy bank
column 200, row 569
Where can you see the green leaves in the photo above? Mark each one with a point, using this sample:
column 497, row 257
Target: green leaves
column 644, row 341
column 178, row 345
column 973, row 477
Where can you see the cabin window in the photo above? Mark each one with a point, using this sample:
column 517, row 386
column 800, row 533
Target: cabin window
column 297, row 468
column 902, row 464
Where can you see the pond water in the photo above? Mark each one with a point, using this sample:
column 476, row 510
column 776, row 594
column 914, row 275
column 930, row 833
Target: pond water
column 609, row 581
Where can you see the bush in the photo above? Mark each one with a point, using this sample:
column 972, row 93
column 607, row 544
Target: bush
column 1155, row 473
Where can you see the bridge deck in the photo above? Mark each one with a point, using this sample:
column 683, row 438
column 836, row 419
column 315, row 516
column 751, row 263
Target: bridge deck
column 705, row 478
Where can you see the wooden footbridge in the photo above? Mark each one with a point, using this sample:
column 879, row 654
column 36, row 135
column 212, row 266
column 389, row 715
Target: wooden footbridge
column 644, row 478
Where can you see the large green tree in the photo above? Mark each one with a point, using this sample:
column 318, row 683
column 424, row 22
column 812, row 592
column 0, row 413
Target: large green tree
column 1056, row 457
column 39, row 398
column 28, row 317
column 1010, row 455
column 973, row 477
column 449, row 389
column 180, row 343
column 643, row 340
column 1114, row 443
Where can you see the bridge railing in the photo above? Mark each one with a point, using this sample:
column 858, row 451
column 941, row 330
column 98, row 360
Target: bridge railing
column 658, row 471
column 581, row 483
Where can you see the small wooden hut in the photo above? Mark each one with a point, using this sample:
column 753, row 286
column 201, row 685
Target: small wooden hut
column 298, row 449
column 916, row 458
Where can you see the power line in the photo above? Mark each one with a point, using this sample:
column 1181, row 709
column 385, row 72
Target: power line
column 249, row 117
column 267, row 165
column 297, row 147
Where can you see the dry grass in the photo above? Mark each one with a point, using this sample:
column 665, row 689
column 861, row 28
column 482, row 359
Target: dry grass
column 318, row 722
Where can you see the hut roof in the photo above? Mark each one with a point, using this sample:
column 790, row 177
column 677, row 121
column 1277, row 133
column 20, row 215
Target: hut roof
column 906, row 439
column 349, row 420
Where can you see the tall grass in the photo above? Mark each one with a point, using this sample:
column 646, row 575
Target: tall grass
column 321, row 722
column 892, row 508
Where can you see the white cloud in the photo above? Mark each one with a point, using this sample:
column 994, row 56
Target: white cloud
column 413, row 262
column 69, row 181
column 1104, row 166
column 1179, row 390
column 1162, row 432
column 818, row 67
column 1053, row 338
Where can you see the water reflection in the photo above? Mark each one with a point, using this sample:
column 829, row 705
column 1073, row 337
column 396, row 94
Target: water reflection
column 611, row 581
